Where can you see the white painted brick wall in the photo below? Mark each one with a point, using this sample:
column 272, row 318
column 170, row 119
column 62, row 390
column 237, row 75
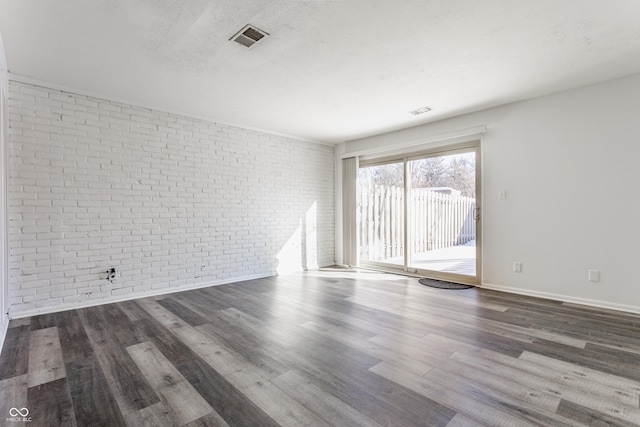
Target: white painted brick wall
column 168, row 200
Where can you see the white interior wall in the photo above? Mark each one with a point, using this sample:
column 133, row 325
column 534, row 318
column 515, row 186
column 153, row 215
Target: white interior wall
column 170, row 201
column 4, row 281
column 569, row 165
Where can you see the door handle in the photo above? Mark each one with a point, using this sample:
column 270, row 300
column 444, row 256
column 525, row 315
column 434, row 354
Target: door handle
column 476, row 214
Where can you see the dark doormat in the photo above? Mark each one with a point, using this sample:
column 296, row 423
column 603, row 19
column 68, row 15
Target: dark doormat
column 440, row 284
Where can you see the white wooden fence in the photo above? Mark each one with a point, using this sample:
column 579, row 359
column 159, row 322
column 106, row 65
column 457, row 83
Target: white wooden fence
column 437, row 220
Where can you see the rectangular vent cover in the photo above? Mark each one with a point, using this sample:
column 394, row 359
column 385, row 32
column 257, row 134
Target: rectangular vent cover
column 248, row 36
column 420, row 111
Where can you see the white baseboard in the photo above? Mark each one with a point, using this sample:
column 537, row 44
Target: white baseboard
column 563, row 298
column 128, row 297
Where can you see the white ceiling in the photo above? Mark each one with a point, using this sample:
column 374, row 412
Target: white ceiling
column 332, row 70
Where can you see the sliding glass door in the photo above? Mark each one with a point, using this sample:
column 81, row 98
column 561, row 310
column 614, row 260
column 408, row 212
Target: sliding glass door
column 442, row 200
column 381, row 214
column 420, row 214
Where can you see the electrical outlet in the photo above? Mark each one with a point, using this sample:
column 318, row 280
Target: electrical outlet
column 594, row 275
column 517, row 267
column 111, row 274
column 502, row 194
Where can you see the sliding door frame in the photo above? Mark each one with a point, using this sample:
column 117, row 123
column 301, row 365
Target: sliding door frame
column 465, row 147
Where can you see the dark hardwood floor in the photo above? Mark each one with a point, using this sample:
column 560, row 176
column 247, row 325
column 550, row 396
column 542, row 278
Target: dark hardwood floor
column 330, row 347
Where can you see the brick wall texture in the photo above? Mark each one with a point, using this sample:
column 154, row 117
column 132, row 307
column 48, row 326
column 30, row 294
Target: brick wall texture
column 170, row 201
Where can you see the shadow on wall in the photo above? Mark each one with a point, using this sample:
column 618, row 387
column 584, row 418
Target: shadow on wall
column 300, row 252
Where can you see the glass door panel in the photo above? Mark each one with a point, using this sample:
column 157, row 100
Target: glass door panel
column 381, row 214
column 442, row 214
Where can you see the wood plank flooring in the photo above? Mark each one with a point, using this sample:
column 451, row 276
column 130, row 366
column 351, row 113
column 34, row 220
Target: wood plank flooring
column 330, row 347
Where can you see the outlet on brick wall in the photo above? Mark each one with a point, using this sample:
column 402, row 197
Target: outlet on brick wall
column 171, row 201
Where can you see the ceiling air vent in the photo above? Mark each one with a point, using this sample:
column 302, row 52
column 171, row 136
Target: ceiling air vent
column 248, row 36
column 420, row 111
